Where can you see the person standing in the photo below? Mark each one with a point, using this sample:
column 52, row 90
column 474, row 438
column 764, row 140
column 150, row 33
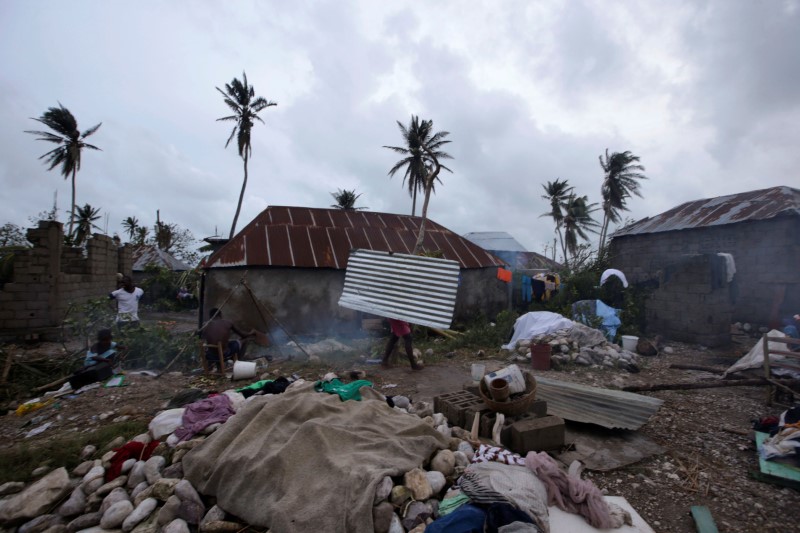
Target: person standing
column 399, row 329
column 127, row 298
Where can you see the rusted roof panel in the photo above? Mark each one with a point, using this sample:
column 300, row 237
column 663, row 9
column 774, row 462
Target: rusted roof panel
column 763, row 204
column 323, row 238
column 604, row 407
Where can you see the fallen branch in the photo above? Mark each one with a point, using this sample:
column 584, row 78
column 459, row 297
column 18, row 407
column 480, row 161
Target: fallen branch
column 711, row 385
column 711, row 369
column 56, row 383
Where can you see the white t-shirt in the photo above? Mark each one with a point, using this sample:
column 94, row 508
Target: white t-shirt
column 127, row 304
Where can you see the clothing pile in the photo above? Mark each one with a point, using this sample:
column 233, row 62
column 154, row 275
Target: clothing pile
column 785, row 436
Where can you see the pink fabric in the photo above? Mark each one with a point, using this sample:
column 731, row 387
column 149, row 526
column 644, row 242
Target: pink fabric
column 399, row 328
column 570, row 493
column 202, row 413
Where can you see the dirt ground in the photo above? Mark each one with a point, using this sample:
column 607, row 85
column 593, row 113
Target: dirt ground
column 705, row 432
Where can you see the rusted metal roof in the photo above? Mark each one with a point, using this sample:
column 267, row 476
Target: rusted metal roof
column 604, row 407
column 763, row 204
column 420, row 290
column 323, row 238
column 152, row 255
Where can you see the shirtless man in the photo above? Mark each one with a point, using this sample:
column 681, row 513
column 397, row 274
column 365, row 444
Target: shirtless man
column 219, row 330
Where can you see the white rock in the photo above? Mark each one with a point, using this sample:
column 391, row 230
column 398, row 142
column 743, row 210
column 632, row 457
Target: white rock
column 436, row 480
column 176, row 526
column 445, row 430
column 88, row 451
column 127, row 465
column 136, row 474
column 144, row 438
column 461, row 458
column 115, row 496
column 186, row 492
column 397, row 525
column 75, row 505
column 466, row 449
column 153, row 468
column 215, row 514
column 439, row 419
column 37, row 499
column 116, row 514
column 142, row 511
column 138, row 489
column 444, row 461
column 383, row 490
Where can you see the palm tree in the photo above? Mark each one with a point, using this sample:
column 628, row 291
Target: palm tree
column 131, row 224
column 418, row 164
column 141, row 235
column 557, row 192
column 71, row 143
column 577, row 222
column 346, row 200
column 620, row 182
column 84, row 223
column 242, row 100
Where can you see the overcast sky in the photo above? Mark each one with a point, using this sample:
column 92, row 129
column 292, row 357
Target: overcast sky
column 707, row 93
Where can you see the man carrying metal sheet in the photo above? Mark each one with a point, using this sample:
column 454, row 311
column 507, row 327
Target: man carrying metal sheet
column 399, row 329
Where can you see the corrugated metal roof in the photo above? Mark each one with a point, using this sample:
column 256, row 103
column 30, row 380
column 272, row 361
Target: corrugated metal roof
column 604, row 407
column 420, row 290
column 495, row 240
column 152, row 255
column 763, row 204
column 323, row 238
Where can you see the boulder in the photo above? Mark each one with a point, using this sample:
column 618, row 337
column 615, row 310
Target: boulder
column 186, row 492
column 444, row 461
column 383, row 490
column 153, row 468
column 84, row 522
column 169, row 511
column 115, row 515
column 75, row 504
column 176, row 526
column 141, row 513
column 41, row 524
column 418, row 484
column 436, row 480
column 136, row 474
column 36, row 499
column 115, row 496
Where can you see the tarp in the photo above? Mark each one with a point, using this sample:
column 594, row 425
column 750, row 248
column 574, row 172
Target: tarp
column 306, row 461
column 536, row 323
column 755, row 357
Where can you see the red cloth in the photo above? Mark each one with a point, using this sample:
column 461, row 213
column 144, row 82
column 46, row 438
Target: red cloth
column 130, row 450
column 399, row 328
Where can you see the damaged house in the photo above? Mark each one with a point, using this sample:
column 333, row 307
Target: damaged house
column 293, row 261
column 698, row 294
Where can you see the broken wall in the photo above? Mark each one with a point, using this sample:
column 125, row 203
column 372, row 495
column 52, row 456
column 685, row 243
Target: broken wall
column 49, row 277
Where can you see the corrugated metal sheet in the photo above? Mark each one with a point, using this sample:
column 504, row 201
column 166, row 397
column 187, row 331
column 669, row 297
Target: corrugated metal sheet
column 152, row 255
column 754, row 205
column 604, row 407
column 495, row 240
column 323, row 238
column 419, row 290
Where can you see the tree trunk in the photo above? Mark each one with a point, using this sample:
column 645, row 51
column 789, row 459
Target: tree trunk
column 72, row 209
column 414, row 202
column 241, row 197
column 429, row 179
column 603, row 230
column 561, row 240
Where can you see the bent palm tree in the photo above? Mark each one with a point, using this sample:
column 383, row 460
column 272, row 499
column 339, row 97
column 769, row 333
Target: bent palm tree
column 346, row 200
column 417, row 162
column 577, row 222
column 131, row 224
column 557, row 192
column 620, row 182
column 71, row 141
column 241, row 98
column 84, row 223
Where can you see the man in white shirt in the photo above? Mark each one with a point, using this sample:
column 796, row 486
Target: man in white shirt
column 127, row 299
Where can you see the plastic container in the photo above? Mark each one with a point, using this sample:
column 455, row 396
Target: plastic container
column 540, row 356
column 244, row 370
column 478, row 370
column 629, row 342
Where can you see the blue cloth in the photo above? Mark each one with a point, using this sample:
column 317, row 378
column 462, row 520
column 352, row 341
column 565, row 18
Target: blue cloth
column 791, row 332
column 466, row 519
column 610, row 318
column 107, row 355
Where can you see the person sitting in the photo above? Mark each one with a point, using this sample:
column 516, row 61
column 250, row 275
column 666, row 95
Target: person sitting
column 218, row 331
column 104, row 350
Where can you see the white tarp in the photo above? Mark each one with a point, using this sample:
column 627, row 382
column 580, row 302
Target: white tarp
column 536, row 323
column 755, row 357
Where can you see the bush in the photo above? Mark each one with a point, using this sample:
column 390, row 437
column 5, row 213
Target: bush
column 482, row 333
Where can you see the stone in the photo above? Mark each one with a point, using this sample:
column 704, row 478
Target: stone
column 176, row 526
column 222, row 526
column 115, row 515
column 400, row 494
column 97, row 529
column 382, row 517
column 11, row 487
column 93, row 480
column 178, row 455
column 136, row 474
column 169, row 511
column 41, row 523
column 444, row 461
column 56, row 528
column 138, row 489
column 439, row 419
column 42, row 470
column 115, row 496
column 149, row 525
column 140, row 513
column 186, row 492
column 445, row 430
column 164, row 488
column 82, row 469
column 383, row 490
column 88, row 451
column 120, row 481
column 75, row 504
column 418, row 484
column 397, row 525
column 106, row 459
column 436, row 480
column 175, row 470
column 192, row 512
column 143, row 495
column 116, row 443
column 84, row 521
column 421, row 409
column 461, row 458
column 144, row 438
column 127, row 465
column 215, row 514
column 416, row 514
column 36, row 499
column 401, row 401
column 433, row 503
column 153, row 468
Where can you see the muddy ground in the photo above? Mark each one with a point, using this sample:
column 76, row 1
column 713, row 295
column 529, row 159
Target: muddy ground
column 709, row 449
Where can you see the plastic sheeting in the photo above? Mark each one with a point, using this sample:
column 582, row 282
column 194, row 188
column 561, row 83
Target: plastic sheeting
column 536, row 323
column 609, row 316
column 614, row 272
column 755, row 358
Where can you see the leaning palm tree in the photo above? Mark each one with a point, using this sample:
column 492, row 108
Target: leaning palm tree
column 131, row 224
column 557, row 192
column 85, row 218
column 241, row 98
column 577, row 222
column 621, row 180
column 71, row 143
column 346, row 200
column 416, row 162
column 141, row 235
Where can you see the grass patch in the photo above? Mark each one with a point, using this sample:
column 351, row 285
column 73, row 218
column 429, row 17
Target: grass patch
column 18, row 462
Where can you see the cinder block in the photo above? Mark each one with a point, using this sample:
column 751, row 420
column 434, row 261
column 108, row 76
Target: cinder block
column 471, row 387
column 538, row 408
column 469, row 414
column 452, row 405
column 537, row 434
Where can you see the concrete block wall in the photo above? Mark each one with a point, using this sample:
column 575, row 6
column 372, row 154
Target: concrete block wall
column 766, row 253
column 49, row 277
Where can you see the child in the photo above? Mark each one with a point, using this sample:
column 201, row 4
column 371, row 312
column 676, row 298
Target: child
column 103, row 351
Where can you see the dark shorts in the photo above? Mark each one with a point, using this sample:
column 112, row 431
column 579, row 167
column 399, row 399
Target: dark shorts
column 234, row 348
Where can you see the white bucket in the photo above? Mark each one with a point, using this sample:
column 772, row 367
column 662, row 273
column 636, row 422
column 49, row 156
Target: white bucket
column 244, row 370
column 629, row 342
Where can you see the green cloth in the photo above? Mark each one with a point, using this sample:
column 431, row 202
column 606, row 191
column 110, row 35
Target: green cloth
column 449, row 505
column 255, row 386
column 346, row 391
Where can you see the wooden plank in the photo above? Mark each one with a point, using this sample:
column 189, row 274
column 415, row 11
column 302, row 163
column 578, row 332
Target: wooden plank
column 774, row 471
column 703, row 520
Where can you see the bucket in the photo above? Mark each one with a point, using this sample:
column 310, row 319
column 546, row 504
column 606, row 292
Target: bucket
column 244, row 370
column 629, row 342
column 540, row 356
